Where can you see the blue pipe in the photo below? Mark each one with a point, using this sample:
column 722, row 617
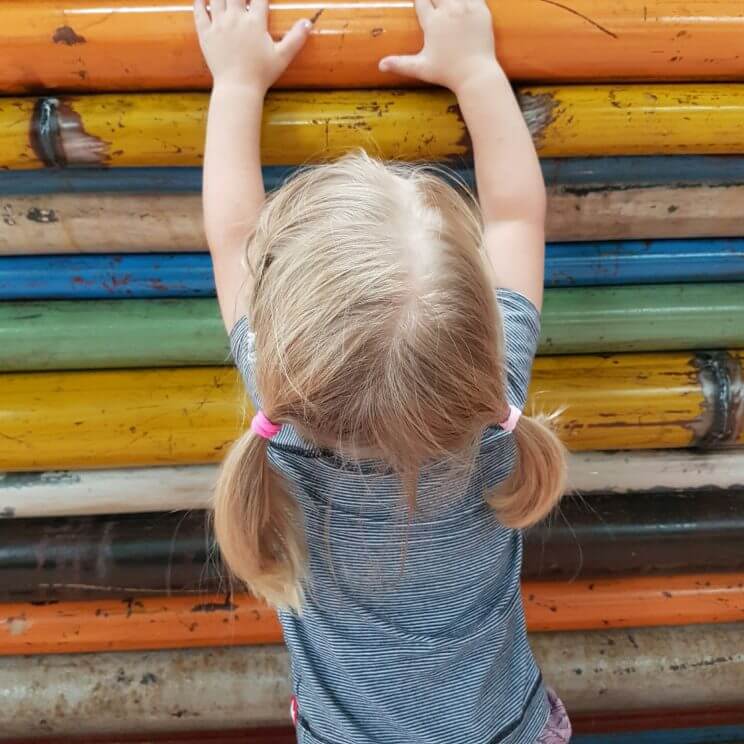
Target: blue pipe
column 707, row 735
column 102, row 276
column 681, row 170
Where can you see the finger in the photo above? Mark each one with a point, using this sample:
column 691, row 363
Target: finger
column 201, row 17
column 216, row 8
column 423, row 9
column 410, row 65
column 260, row 8
column 294, row 40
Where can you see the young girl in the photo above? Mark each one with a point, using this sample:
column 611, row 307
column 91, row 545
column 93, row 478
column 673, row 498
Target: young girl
column 378, row 495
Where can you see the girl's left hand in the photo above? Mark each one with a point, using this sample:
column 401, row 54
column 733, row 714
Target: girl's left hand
column 237, row 46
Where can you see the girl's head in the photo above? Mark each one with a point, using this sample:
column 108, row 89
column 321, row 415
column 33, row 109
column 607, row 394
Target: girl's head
column 377, row 335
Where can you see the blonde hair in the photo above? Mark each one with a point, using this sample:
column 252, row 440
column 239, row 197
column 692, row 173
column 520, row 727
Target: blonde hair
column 377, row 332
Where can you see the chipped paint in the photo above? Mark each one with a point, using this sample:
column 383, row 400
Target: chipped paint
column 720, row 375
column 539, row 111
column 67, row 35
column 154, row 554
column 58, row 137
column 168, row 622
column 241, row 687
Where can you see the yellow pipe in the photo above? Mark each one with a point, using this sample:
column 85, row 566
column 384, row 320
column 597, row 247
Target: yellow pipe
column 168, row 129
column 120, row 418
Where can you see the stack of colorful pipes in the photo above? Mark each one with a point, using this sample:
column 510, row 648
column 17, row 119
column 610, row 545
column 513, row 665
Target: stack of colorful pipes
column 117, row 398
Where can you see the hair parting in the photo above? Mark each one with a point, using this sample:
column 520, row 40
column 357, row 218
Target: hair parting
column 377, row 334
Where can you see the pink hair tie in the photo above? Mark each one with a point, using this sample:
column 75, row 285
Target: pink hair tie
column 263, row 427
column 511, row 422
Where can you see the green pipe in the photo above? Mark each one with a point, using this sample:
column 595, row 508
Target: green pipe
column 668, row 317
column 95, row 334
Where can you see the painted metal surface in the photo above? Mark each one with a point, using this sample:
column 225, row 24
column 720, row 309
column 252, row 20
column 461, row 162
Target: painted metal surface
column 71, row 223
column 114, row 334
column 131, row 490
column 642, row 318
column 138, row 624
column 126, row 491
column 713, row 735
column 643, row 262
column 151, row 623
column 646, row 472
column 628, row 172
column 733, row 734
column 89, row 45
column 670, row 668
column 168, row 129
column 169, row 416
column 627, row 534
column 112, row 276
column 118, row 418
column 166, row 275
column 617, row 535
column 622, row 213
column 111, row 334
column 84, row 223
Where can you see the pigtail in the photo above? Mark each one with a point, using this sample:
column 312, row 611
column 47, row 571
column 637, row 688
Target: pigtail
column 256, row 522
column 539, row 479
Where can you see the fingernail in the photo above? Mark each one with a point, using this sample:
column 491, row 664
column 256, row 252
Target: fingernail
column 384, row 65
column 307, row 25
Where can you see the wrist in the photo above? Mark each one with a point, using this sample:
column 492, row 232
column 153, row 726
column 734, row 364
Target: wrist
column 239, row 90
column 480, row 80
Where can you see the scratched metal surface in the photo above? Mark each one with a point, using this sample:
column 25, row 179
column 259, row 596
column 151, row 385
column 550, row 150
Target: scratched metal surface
column 117, row 334
column 132, row 490
column 88, row 45
column 172, row 416
column 572, row 173
column 149, row 554
column 167, row 275
column 155, row 623
column 146, row 222
column 670, row 668
column 164, row 129
column 724, row 734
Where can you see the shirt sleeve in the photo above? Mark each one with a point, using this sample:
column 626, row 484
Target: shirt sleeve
column 521, row 320
column 243, row 348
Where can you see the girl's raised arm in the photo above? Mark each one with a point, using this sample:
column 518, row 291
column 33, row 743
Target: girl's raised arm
column 244, row 61
column 459, row 54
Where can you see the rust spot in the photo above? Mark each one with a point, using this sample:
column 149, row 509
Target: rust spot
column 66, row 35
column 58, row 137
column 539, row 111
column 377, row 32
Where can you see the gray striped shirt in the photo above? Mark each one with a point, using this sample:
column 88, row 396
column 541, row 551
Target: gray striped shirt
column 413, row 630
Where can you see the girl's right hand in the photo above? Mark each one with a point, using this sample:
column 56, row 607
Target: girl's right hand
column 237, row 46
column 458, row 44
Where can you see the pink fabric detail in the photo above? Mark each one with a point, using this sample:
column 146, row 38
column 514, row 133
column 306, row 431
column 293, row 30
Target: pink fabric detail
column 558, row 728
column 293, row 710
column 263, row 427
column 511, row 422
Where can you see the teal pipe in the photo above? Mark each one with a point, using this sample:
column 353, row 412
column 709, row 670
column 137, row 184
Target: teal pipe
column 97, row 334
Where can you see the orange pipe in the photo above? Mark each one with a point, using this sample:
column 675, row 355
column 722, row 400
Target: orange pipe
column 187, row 621
column 150, row 44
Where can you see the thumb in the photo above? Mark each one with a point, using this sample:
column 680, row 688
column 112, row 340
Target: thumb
column 294, row 40
column 410, row 65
